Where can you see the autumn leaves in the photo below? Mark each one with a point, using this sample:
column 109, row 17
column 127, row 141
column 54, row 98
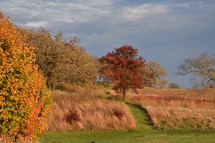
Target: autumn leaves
column 24, row 99
column 123, row 68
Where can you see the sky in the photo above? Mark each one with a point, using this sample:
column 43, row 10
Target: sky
column 167, row 31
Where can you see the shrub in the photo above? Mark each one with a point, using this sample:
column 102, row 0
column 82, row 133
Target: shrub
column 174, row 86
column 24, row 100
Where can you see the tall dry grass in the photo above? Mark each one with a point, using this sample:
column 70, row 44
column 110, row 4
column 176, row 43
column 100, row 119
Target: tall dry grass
column 87, row 111
column 201, row 94
column 170, row 108
column 171, row 117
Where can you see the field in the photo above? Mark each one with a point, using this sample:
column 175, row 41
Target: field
column 178, row 108
column 144, row 107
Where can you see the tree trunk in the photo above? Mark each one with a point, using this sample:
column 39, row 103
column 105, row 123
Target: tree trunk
column 124, row 90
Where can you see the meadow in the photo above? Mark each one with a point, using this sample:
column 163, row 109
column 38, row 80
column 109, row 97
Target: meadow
column 178, row 108
column 72, row 111
column 99, row 115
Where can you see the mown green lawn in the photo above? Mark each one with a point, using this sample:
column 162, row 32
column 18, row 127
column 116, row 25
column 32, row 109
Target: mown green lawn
column 144, row 133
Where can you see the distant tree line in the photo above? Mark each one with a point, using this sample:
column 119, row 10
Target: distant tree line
column 64, row 61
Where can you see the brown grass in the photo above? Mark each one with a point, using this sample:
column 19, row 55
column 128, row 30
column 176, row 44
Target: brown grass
column 170, row 108
column 85, row 111
column 201, row 94
column 168, row 117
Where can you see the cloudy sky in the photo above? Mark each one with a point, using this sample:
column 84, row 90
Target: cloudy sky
column 167, row 31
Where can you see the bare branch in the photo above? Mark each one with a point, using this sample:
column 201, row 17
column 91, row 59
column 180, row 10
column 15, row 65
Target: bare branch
column 202, row 67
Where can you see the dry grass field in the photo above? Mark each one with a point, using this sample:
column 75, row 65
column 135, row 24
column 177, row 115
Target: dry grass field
column 78, row 108
column 82, row 109
column 154, row 115
column 177, row 108
column 86, row 108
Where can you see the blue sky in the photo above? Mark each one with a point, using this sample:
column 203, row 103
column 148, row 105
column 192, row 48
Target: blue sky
column 167, row 31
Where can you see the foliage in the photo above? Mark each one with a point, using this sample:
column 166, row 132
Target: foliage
column 76, row 65
column 154, row 75
column 202, row 68
column 123, row 68
column 24, row 99
column 62, row 61
column 47, row 50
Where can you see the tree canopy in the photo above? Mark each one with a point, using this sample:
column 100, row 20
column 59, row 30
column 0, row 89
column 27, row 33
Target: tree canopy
column 154, row 75
column 62, row 61
column 123, row 68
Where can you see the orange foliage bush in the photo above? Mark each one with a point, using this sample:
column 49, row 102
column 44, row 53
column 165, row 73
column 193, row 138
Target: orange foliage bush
column 24, row 99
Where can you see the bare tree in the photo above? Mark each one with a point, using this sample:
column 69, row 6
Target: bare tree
column 201, row 69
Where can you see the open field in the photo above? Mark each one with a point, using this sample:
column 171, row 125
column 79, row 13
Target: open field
column 82, row 111
column 161, row 116
column 144, row 133
column 178, row 108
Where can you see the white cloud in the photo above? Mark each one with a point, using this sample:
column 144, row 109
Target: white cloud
column 191, row 4
column 57, row 11
column 36, row 24
column 138, row 12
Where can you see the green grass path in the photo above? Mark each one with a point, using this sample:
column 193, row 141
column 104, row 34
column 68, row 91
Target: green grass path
column 143, row 122
column 144, row 133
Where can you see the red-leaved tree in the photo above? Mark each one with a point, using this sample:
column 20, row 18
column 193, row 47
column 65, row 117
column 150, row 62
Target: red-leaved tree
column 123, row 68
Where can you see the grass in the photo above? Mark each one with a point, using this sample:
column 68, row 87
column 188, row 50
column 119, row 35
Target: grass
column 144, row 133
column 171, row 117
column 84, row 111
column 126, row 137
column 174, row 106
column 143, row 122
column 178, row 108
